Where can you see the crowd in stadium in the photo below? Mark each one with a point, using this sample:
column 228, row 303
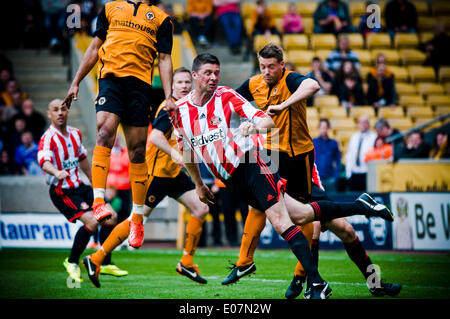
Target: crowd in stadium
column 343, row 71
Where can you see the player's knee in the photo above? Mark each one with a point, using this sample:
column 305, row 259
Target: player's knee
column 137, row 153
column 105, row 137
column 347, row 234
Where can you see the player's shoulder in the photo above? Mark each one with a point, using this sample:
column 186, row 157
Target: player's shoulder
column 49, row 133
column 183, row 101
column 73, row 130
column 225, row 91
column 158, row 13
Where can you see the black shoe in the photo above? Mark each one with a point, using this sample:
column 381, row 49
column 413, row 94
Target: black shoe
column 295, row 288
column 386, row 289
column 191, row 272
column 373, row 208
column 93, row 270
column 320, row 291
column 238, row 272
column 307, row 294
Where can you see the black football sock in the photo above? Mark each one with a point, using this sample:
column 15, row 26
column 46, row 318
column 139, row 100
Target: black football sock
column 80, row 242
column 358, row 255
column 299, row 246
column 102, row 235
column 315, row 250
column 325, row 210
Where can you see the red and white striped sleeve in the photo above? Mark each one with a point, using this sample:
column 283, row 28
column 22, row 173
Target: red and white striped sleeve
column 45, row 152
column 316, row 177
column 243, row 107
column 82, row 150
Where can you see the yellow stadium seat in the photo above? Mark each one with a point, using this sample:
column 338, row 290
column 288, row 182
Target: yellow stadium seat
column 419, row 111
column 178, row 11
column 342, row 124
column 421, row 7
column 303, row 69
column 425, row 24
column 279, row 24
column 343, row 136
column 308, row 25
column 407, row 100
column 438, row 100
column 312, row 113
column 402, row 124
column 357, row 8
column 392, row 56
column 295, row 41
column 248, row 26
column 333, row 112
column 426, row 36
column 423, row 120
column 278, row 8
column 406, row 40
column 323, row 41
column 364, row 57
column 261, row 40
column 306, row 9
column 447, row 87
column 391, row 112
column 363, row 71
column 313, row 123
column 378, row 41
column 440, row 8
column 412, row 57
column 445, row 21
column 401, row 74
column 421, row 73
column 326, row 101
column 357, row 111
column 322, row 54
column 247, row 9
column 300, row 57
column 444, row 74
column 356, row 41
column 427, row 88
column 405, row 89
column 442, row 110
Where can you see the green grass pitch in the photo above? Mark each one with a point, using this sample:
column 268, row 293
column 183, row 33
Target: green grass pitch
column 39, row 273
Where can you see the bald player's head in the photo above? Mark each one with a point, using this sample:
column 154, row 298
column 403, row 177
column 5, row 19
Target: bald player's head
column 58, row 113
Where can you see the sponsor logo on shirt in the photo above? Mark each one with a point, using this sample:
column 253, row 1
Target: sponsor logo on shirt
column 68, row 164
column 208, row 138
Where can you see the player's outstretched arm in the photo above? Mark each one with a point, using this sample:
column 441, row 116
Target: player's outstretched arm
column 305, row 90
column 49, row 168
column 86, row 168
column 165, row 72
column 158, row 139
column 89, row 60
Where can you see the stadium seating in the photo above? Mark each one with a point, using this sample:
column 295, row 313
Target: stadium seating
column 333, row 112
column 442, row 110
column 421, row 73
column 300, row 57
column 261, row 40
column 392, row 56
column 438, row 100
column 406, row 40
column 303, row 69
column 326, row 41
column 278, row 8
column 357, row 111
column 357, row 8
column 440, row 8
column 364, row 57
column 306, row 9
column 421, row 7
column 427, row 88
column 402, row 124
column 363, row 71
column 426, row 36
column 401, row 74
column 247, row 9
column 308, row 25
column 312, row 113
column 408, row 100
column 412, row 56
column 444, row 74
column 406, row 89
column 326, row 101
column 295, row 41
column 378, row 41
column 415, row 112
column 322, row 54
column 391, row 112
column 425, row 24
column 338, row 124
column 356, row 41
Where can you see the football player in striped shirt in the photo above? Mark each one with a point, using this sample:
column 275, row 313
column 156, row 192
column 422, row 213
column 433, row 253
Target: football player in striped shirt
column 61, row 154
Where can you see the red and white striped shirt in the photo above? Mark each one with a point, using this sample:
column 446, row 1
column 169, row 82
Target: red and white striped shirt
column 64, row 152
column 211, row 130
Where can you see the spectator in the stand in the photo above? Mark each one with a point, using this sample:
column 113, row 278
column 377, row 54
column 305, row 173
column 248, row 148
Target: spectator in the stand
column 263, row 21
column 26, row 155
column 342, row 53
column 438, row 48
column 381, row 86
column 327, row 157
column 384, row 129
column 346, row 69
column 319, row 74
column 229, row 17
column 292, row 21
column 414, row 147
column 177, row 25
column 7, row 165
column 355, row 166
column 35, row 121
column 15, row 135
column 55, row 20
column 401, row 16
column 11, row 86
column 381, row 151
column 350, row 92
column 333, row 16
column 440, row 149
column 5, row 76
column 201, row 20
column 118, row 177
column 289, row 66
column 363, row 26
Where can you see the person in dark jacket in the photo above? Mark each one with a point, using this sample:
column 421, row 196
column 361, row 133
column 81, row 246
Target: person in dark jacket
column 381, row 87
column 401, row 16
column 332, row 16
